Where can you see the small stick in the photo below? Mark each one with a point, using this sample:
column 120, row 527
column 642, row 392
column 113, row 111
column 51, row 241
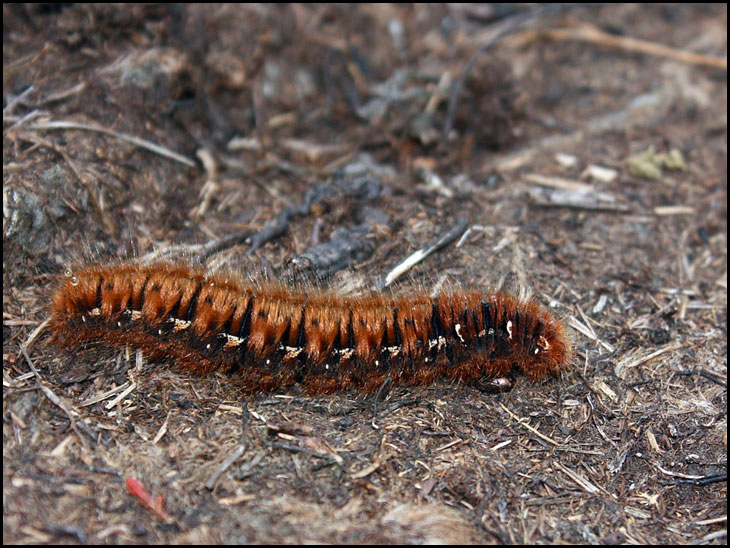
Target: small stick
column 17, row 99
column 530, row 428
column 105, row 395
column 386, row 382
column 163, row 429
column 235, row 455
column 276, row 228
column 639, row 361
column 141, row 143
column 591, row 34
column 230, row 240
column 296, row 449
column 201, row 252
column 710, row 478
column 54, row 398
column 227, row 462
column 362, row 189
column 702, row 373
column 34, row 334
column 422, row 253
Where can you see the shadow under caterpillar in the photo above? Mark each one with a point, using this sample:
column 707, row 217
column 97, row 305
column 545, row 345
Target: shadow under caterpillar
column 271, row 337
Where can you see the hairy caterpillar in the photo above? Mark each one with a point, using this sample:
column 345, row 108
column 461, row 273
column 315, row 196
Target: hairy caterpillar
column 271, row 337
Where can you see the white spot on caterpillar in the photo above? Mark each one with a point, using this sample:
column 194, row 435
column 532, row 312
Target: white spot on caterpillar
column 291, row 352
column 457, row 327
column 180, row 325
column 345, row 353
column 543, row 343
column 232, row 342
column 509, row 329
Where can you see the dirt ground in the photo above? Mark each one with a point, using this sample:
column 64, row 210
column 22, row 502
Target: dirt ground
column 579, row 156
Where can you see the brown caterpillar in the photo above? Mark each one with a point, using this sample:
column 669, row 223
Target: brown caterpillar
column 272, row 337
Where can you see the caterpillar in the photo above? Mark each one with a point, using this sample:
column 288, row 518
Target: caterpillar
column 270, row 337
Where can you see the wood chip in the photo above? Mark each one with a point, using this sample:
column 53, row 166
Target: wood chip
column 665, row 211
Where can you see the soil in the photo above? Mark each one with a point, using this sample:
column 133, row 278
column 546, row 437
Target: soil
column 582, row 167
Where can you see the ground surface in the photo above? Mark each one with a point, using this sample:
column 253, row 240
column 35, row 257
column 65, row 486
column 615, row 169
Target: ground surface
column 628, row 445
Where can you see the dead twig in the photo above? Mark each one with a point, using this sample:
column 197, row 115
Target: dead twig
column 17, row 100
column 236, row 453
column 706, row 480
column 365, row 189
column 377, row 399
column 578, row 478
column 347, row 245
column 590, row 199
column 702, row 373
column 535, row 431
column 414, row 258
column 54, row 398
column 296, row 449
column 136, row 141
column 590, row 34
column 34, row 334
column 631, row 362
column 227, row 462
